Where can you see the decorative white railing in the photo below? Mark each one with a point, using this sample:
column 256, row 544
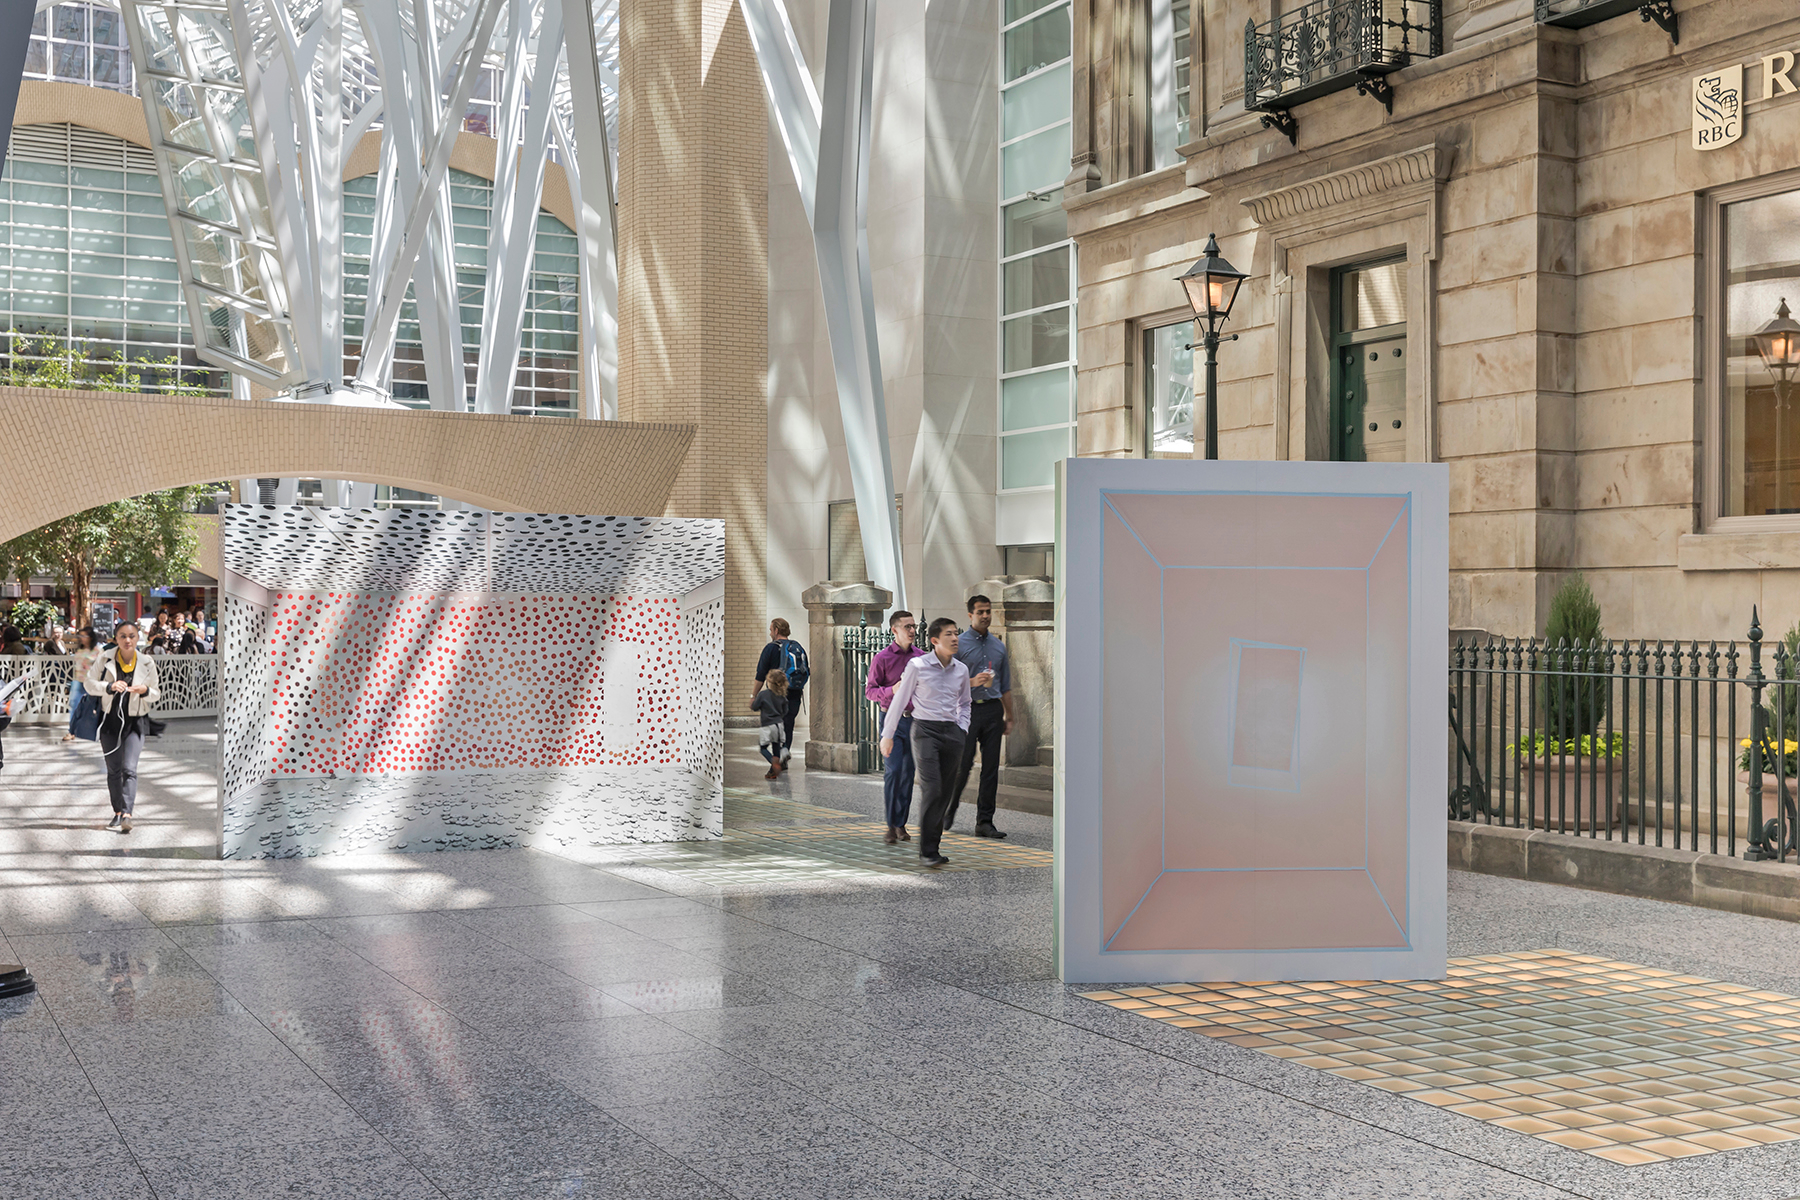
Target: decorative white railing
column 189, row 682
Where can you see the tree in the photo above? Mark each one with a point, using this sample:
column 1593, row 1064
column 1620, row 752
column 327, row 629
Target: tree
column 147, row 541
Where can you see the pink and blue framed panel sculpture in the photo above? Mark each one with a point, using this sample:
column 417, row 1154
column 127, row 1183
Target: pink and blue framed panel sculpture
column 423, row 680
column 1250, row 720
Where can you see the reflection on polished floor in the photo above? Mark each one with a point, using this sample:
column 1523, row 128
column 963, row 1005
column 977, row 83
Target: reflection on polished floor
column 785, row 1014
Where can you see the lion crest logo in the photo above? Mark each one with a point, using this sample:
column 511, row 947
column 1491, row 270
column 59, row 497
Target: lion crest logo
column 1718, row 108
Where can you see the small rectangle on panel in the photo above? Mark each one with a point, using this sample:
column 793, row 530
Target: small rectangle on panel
column 1265, row 715
column 620, row 668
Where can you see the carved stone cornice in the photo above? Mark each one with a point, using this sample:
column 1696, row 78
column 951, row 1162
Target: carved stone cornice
column 1426, row 166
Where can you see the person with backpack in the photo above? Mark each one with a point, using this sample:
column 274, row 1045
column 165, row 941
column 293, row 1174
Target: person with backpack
column 786, row 655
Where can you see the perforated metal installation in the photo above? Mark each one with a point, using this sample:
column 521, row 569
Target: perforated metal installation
column 476, row 679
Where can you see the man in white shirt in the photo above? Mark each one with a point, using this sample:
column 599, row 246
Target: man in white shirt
column 936, row 687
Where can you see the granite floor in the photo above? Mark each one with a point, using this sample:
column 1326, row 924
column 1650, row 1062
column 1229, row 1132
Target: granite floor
column 796, row 1012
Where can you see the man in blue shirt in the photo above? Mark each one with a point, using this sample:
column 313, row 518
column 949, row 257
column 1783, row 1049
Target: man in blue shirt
column 990, row 684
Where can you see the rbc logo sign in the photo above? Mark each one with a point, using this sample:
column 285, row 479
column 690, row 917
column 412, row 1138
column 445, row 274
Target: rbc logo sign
column 1718, row 108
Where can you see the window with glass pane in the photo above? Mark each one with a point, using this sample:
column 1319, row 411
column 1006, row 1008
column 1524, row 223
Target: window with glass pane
column 1037, row 284
column 80, row 279
column 1029, row 459
column 1033, row 224
column 1761, row 425
column 1169, row 391
column 1036, row 341
column 1167, row 70
column 1035, row 400
column 1373, row 296
column 547, row 383
column 1036, row 281
column 1036, row 161
column 1038, row 42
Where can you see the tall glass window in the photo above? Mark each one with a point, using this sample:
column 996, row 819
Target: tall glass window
column 1037, row 284
column 79, row 43
column 1169, row 391
column 548, row 381
column 1168, row 80
column 1760, row 243
column 87, row 266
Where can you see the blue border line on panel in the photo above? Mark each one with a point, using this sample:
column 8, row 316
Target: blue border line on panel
column 1406, row 512
column 1134, row 908
column 1376, row 888
column 1411, row 581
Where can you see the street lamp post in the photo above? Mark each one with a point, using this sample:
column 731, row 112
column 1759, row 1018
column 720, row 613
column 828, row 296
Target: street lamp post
column 1778, row 343
column 1212, row 286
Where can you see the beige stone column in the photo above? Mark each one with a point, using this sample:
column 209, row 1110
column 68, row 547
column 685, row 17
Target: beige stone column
column 1025, row 619
column 830, row 607
column 694, row 274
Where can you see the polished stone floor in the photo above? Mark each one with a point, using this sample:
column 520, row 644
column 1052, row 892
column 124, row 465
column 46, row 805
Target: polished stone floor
column 795, row 1012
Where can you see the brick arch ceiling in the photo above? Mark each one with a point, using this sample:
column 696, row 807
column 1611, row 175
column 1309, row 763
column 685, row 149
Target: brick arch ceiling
column 516, row 464
column 122, row 115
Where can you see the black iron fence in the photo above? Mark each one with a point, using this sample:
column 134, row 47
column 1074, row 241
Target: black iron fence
column 1683, row 744
column 862, row 719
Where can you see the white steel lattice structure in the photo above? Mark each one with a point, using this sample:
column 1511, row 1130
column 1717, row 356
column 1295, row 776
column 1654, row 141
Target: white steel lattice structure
column 254, row 107
column 827, row 140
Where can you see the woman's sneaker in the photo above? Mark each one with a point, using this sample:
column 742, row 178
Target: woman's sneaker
column 125, row 823
column 114, row 823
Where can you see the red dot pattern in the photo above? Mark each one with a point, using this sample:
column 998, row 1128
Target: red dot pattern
column 369, row 684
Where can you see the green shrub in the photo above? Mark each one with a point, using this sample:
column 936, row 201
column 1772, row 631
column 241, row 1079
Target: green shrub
column 1575, row 693
column 1781, row 706
column 31, row 616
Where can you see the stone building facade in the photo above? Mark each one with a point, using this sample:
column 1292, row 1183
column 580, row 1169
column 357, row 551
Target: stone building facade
column 1546, row 266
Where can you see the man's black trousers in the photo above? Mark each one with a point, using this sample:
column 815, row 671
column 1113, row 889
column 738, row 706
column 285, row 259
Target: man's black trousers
column 987, row 721
column 937, row 749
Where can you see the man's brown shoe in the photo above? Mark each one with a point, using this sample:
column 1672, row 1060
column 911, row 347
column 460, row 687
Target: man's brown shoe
column 890, row 837
column 904, row 836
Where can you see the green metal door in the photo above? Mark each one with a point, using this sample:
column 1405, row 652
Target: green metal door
column 1372, row 401
column 1352, row 398
column 1368, row 369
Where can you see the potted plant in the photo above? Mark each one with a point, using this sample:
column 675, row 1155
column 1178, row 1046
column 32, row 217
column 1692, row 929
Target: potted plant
column 1781, row 727
column 1569, row 784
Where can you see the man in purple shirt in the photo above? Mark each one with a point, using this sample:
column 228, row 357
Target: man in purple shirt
column 935, row 688
column 884, row 675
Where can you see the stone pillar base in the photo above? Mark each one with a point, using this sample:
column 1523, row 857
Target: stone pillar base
column 831, row 756
column 833, row 606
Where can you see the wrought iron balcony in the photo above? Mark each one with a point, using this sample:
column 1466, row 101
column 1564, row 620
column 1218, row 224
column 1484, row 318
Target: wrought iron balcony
column 1579, row 14
column 1329, row 45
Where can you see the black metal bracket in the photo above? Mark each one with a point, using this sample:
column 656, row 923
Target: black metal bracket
column 1663, row 13
column 1378, row 87
column 1283, row 120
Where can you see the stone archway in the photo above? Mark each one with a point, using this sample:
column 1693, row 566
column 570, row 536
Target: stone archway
column 529, row 464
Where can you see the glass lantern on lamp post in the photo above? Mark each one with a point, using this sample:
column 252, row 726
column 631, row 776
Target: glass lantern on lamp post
column 1778, row 343
column 1212, row 287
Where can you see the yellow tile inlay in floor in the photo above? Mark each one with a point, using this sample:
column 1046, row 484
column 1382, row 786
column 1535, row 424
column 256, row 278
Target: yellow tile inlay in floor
column 1624, row 1062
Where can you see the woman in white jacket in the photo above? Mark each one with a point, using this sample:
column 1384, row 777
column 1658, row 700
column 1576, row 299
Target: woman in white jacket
column 125, row 682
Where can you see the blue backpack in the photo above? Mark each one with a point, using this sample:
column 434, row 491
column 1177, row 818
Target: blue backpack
column 793, row 663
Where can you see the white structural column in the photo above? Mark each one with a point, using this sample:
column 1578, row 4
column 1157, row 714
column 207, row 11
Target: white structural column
column 586, row 143
column 389, row 277
column 827, row 141
column 518, row 185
